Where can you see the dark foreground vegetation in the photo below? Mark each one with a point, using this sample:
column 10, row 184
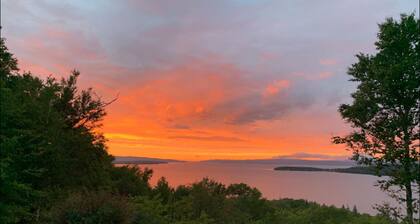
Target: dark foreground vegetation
column 54, row 168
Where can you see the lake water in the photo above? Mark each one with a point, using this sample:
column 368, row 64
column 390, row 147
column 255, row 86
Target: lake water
column 323, row 187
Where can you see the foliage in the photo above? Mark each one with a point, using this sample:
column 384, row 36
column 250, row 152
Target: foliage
column 47, row 135
column 300, row 211
column 385, row 111
column 131, row 181
column 16, row 194
column 93, row 208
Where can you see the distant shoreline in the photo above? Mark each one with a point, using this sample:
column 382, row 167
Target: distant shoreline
column 351, row 170
column 131, row 160
column 139, row 162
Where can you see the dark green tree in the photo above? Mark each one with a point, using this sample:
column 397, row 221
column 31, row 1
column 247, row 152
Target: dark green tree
column 385, row 110
column 163, row 190
column 131, row 181
column 16, row 195
column 47, row 134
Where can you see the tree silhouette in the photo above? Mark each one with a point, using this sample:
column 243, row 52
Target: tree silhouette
column 385, row 109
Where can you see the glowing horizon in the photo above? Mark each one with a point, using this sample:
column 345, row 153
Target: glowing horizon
column 247, row 80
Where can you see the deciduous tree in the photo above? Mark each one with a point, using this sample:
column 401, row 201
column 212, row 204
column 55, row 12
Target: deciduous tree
column 386, row 108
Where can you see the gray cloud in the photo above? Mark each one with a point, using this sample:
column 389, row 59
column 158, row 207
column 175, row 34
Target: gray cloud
column 254, row 106
column 266, row 40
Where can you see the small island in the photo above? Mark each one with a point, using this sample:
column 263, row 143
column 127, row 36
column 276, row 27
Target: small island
column 353, row 170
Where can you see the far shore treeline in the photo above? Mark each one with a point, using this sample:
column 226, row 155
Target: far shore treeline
column 55, row 168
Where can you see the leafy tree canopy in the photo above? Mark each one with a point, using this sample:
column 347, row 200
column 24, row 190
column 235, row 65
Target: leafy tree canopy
column 385, row 111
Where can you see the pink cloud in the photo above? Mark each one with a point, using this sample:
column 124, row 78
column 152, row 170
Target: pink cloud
column 269, row 56
column 325, row 75
column 316, row 76
column 276, row 87
column 328, row 61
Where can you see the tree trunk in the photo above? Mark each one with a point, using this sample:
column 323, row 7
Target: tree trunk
column 408, row 169
column 409, row 202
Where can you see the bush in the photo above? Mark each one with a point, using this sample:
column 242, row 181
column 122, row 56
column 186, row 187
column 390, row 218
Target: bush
column 93, row 208
column 131, row 180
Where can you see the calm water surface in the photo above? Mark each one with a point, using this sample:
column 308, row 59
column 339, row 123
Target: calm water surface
column 323, row 187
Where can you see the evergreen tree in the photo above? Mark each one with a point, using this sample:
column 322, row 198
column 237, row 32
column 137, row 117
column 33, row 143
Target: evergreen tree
column 354, row 209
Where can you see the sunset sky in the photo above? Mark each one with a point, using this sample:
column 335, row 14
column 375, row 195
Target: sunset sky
column 199, row 80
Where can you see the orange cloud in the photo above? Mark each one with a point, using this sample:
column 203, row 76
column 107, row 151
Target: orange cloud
column 202, row 109
column 313, row 156
column 206, row 110
column 276, row 87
